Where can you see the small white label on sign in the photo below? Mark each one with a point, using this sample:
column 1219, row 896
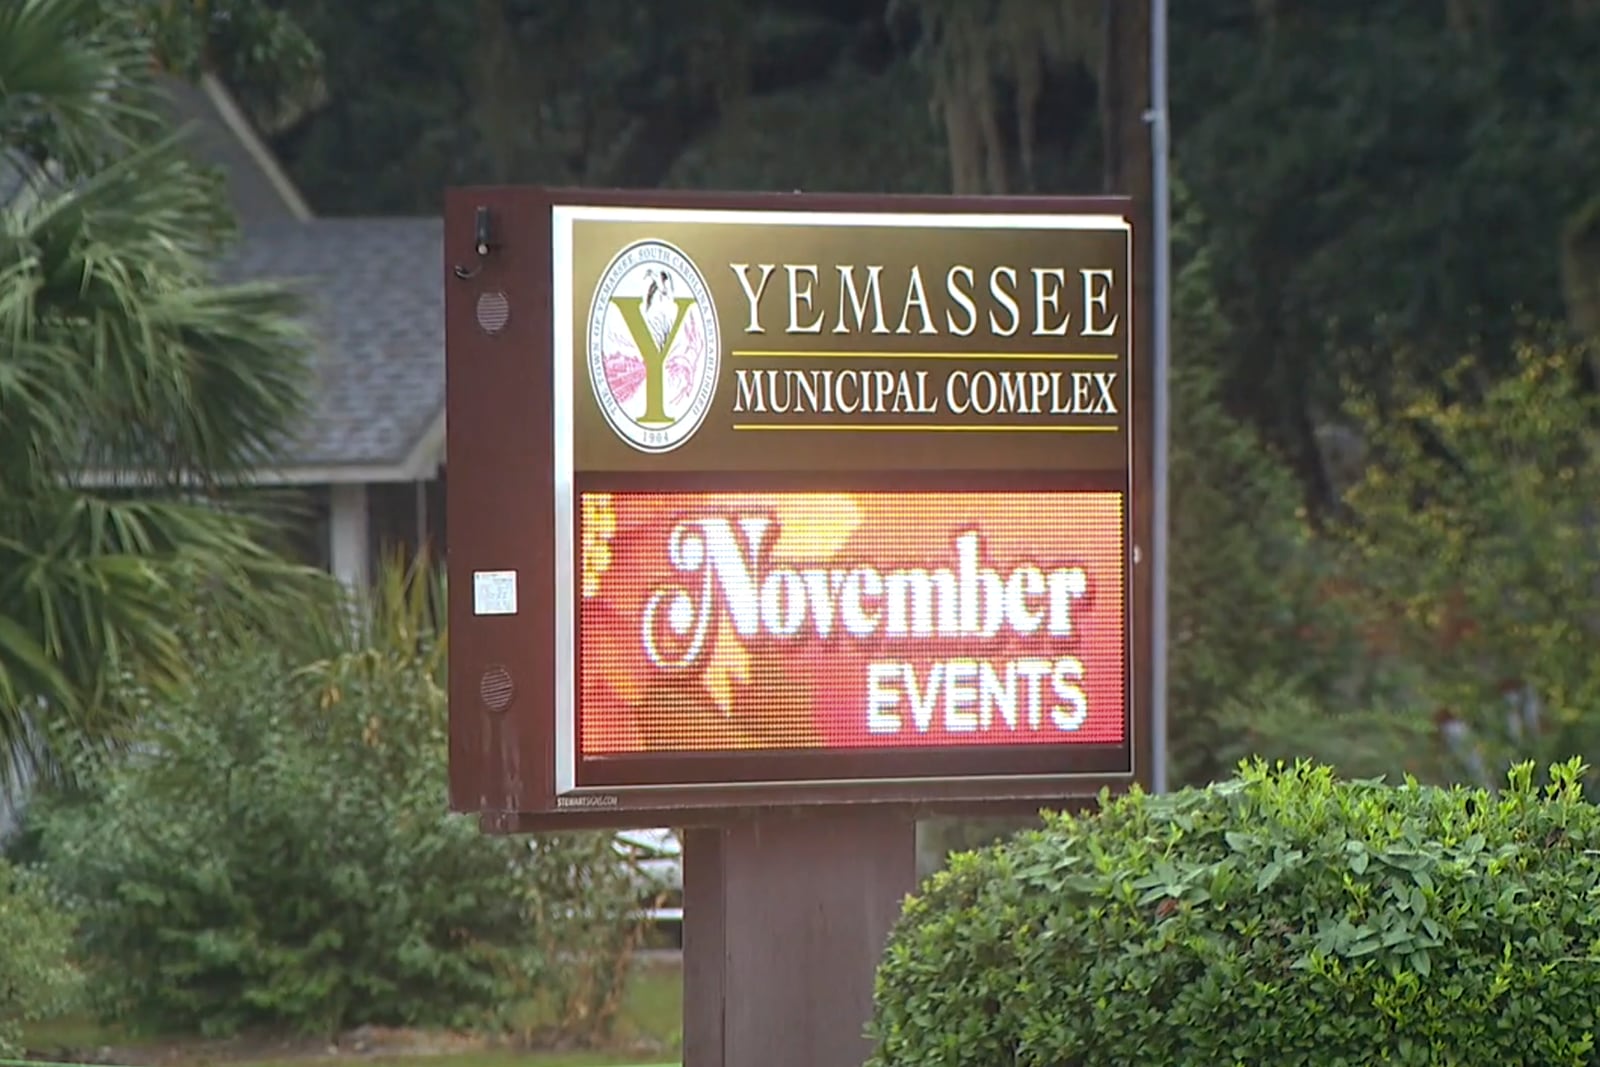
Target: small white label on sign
column 494, row 592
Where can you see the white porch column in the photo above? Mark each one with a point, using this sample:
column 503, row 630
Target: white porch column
column 347, row 536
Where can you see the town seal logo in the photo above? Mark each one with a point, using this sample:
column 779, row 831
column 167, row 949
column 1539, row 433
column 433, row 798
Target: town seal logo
column 654, row 346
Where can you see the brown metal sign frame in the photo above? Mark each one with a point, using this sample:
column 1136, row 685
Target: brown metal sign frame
column 510, row 511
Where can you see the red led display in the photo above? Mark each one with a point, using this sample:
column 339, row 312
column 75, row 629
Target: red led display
column 740, row 622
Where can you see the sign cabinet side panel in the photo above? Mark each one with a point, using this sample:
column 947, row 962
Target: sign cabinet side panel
column 499, row 493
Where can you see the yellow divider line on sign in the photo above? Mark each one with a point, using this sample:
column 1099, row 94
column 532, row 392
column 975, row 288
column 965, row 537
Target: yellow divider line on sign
column 917, row 427
column 820, row 353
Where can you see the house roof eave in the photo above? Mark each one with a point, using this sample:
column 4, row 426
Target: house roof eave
column 233, row 118
column 420, row 464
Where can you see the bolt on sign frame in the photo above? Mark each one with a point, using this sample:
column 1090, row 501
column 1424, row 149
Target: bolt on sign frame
column 768, row 501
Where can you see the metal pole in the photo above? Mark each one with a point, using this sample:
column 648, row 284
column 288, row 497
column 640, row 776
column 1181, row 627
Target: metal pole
column 1160, row 242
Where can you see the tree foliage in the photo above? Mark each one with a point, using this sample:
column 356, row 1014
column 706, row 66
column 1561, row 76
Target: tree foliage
column 1386, row 185
column 1247, row 607
column 777, row 94
column 1476, row 525
column 259, row 49
column 989, row 64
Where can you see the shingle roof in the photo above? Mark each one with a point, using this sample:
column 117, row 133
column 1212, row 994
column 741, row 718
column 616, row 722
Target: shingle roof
column 210, row 138
column 374, row 291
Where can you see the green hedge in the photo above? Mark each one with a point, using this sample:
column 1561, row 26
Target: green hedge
column 1283, row 917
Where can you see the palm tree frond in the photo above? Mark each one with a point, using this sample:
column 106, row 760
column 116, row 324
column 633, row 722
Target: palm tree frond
column 109, row 301
column 75, row 84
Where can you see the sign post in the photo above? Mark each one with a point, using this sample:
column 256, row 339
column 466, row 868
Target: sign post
column 790, row 519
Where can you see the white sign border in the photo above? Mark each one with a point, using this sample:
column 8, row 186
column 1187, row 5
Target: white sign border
column 563, row 340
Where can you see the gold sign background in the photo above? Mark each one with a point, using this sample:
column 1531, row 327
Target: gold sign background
column 963, row 441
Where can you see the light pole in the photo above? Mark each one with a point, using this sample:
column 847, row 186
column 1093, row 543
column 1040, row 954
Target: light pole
column 1160, row 340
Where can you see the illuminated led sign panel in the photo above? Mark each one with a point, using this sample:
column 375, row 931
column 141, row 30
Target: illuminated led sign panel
column 762, row 501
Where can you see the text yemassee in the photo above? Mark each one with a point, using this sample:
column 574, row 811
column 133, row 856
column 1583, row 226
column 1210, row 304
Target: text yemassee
column 852, row 299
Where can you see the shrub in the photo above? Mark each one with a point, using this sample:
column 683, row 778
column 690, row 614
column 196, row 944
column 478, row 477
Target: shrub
column 36, row 979
column 278, row 853
column 1282, row 917
column 581, row 996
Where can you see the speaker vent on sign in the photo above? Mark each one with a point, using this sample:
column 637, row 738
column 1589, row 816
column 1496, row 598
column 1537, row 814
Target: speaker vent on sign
column 496, row 690
column 494, row 311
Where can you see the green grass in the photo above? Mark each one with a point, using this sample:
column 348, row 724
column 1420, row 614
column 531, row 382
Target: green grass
column 651, row 1016
column 506, row 1058
column 654, row 1008
column 68, row 1032
column 495, row 1058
